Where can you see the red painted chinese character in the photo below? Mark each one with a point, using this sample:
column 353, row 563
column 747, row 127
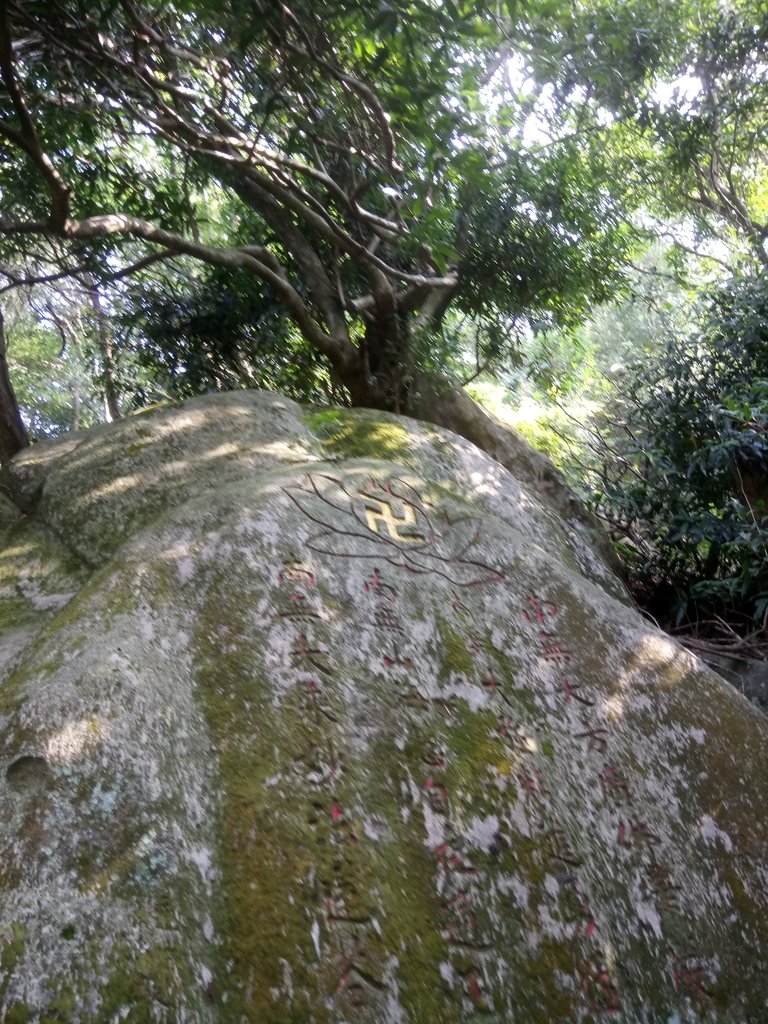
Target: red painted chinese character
column 586, row 926
column 613, row 784
column 473, row 984
column 437, row 796
column 298, row 607
column 691, row 977
column 491, row 681
column 313, row 656
column 451, row 860
column 595, row 737
column 552, row 651
column 538, row 610
column 571, row 691
column 599, row 990
column 375, row 584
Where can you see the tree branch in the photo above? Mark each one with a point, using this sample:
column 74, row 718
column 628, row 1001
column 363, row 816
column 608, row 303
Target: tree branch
column 341, row 353
column 363, row 91
column 23, row 282
column 27, row 139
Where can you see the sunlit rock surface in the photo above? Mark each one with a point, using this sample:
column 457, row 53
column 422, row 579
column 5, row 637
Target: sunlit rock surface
column 313, row 717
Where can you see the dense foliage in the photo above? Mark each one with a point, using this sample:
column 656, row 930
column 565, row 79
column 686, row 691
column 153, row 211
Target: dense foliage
column 690, row 487
column 216, row 334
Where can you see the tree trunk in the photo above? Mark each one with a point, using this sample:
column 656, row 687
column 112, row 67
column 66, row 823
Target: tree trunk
column 74, row 420
column 104, row 336
column 13, row 436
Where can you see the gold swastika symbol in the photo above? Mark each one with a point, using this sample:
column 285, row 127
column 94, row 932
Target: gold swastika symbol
column 381, row 517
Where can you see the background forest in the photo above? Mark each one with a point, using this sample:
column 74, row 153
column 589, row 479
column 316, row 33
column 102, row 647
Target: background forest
column 560, row 207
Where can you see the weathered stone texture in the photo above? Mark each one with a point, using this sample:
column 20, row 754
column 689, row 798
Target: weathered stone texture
column 335, row 728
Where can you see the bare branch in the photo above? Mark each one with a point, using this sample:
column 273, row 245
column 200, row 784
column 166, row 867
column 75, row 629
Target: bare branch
column 33, row 279
column 142, row 264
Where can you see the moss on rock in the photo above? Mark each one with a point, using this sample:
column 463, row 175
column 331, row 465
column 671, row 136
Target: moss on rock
column 353, row 739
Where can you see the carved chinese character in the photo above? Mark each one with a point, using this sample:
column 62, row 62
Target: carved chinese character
column 551, row 649
column 451, row 860
column 532, row 783
column 561, row 849
column 319, row 767
column 474, row 644
column 297, row 572
column 338, row 904
column 463, row 931
column 513, row 735
column 594, row 736
column 437, row 796
column 691, row 976
column 598, row 988
column 586, row 926
column 358, row 983
column 394, row 518
column 491, row 681
column 313, row 701
column 422, row 703
column 574, row 905
column 574, row 691
column 376, row 585
column 538, row 610
column 660, row 880
column 386, row 618
column 341, row 829
column 397, row 660
column 434, row 757
column 613, row 784
column 297, row 606
column 474, row 987
column 303, row 655
column 635, row 835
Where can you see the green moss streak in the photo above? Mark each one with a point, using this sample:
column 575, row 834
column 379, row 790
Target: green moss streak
column 266, row 857
column 455, row 658
column 360, row 434
column 18, row 1014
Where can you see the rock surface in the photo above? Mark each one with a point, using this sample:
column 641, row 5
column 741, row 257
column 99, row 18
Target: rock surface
column 317, row 716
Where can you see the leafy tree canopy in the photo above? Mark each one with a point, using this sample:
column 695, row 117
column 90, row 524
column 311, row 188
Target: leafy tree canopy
column 680, row 88
column 331, row 198
column 367, row 164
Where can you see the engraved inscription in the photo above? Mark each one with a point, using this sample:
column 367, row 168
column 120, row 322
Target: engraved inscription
column 360, row 517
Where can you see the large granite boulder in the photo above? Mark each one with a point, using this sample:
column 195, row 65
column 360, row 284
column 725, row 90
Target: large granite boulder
column 318, row 717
